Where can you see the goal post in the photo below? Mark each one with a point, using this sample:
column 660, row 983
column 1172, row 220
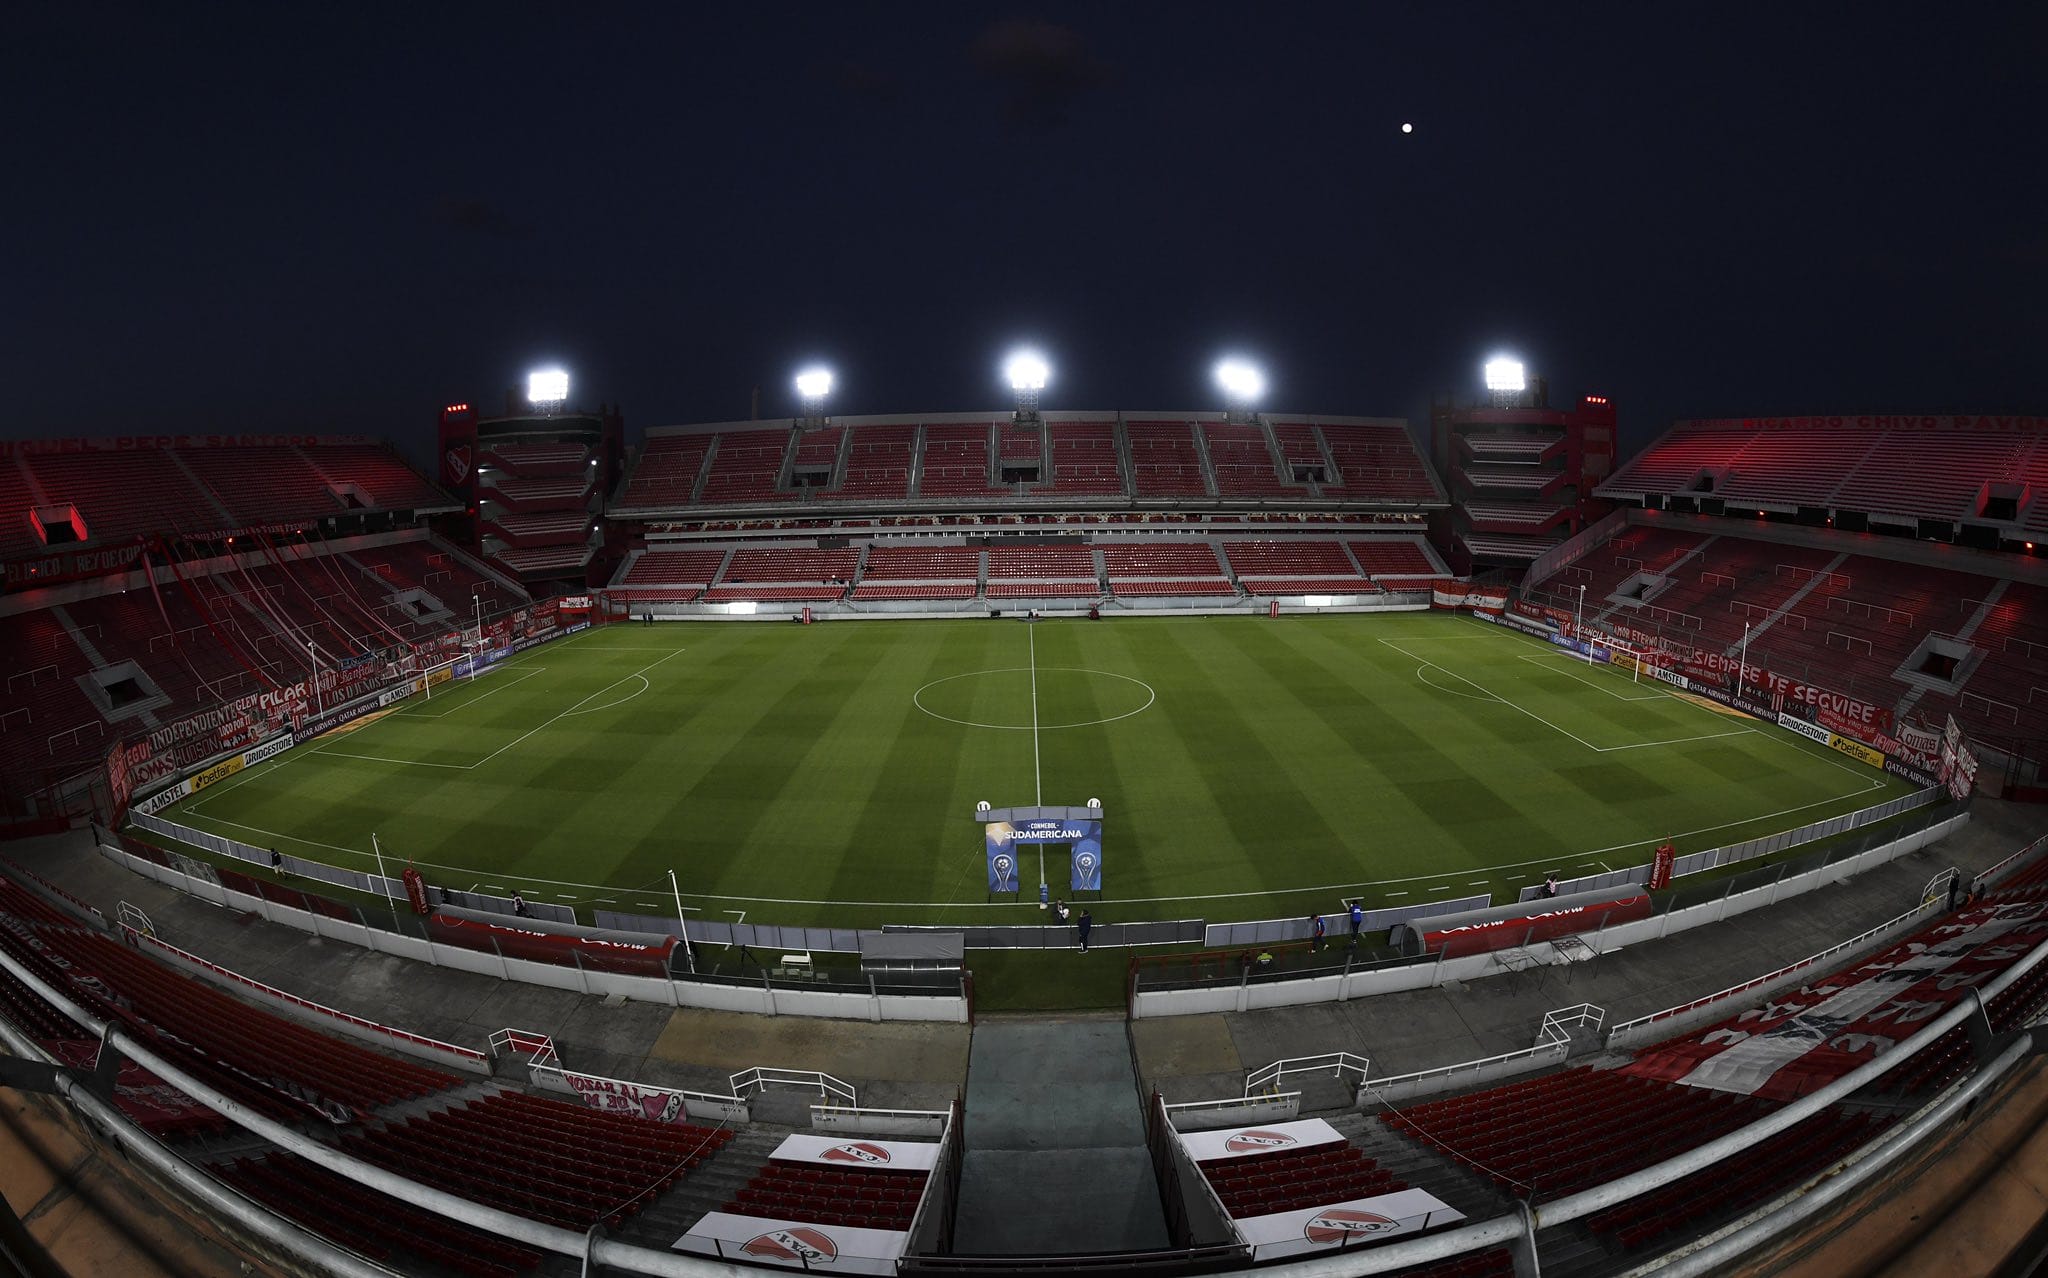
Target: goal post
column 1626, row 656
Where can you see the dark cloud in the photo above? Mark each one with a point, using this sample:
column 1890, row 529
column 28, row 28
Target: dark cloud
column 867, row 84
column 476, row 217
column 1043, row 68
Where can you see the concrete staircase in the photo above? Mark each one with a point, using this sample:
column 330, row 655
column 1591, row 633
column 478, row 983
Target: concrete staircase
column 706, row 1189
column 1421, row 1166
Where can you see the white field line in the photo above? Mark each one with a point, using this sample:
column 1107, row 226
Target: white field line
column 1037, row 776
column 497, row 687
column 1812, row 749
column 1549, row 668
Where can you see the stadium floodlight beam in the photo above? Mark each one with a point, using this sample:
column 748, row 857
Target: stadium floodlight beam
column 813, row 385
column 1027, row 372
column 547, row 388
column 1505, row 380
column 1243, row 383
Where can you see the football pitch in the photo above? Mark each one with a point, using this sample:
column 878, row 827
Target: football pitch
column 1248, row 768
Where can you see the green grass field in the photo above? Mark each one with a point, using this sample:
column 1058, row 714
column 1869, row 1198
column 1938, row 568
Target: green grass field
column 1249, row 768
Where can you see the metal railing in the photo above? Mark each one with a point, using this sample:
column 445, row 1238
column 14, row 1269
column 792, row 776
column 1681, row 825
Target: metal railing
column 1338, row 1063
column 761, row 1076
column 1221, row 1103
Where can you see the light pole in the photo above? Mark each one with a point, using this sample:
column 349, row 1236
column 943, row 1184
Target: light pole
column 313, row 659
column 476, row 654
column 1742, row 664
column 1579, row 616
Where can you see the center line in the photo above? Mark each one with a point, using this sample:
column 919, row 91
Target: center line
column 1037, row 778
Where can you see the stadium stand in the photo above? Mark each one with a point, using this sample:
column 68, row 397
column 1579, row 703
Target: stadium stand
column 956, row 461
column 1264, row 1184
column 860, row 1198
column 668, row 471
column 1377, row 462
column 1084, row 459
column 745, row 467
column 1241, row 457
column 1164, row 460
column 878, row 464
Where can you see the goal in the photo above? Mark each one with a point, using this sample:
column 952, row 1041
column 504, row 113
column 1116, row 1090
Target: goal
column 1625, row 657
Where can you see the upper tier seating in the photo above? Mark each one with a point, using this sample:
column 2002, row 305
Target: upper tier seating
column 1243, row 462
column 17, row 502
column 1084, row 460
column 262, row 485
column 956, row 461
column 389, row 483
column 544, row 558
column 745, row 465
column 1313, row 1176
column 1293, row 558
column 139, row 493
column 542, row 528
column 1180, row 559
column 790, row 564
column 877, row 465
column 1298, row 444
column 1016, row 443
column 1900, row 470
column 1377, row 462
column 1164, row 462
column 666, row 474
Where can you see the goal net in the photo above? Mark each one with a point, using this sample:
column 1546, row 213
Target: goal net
column 1634, row 661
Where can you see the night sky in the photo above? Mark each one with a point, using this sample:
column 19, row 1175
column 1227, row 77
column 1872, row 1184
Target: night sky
column 337, row 218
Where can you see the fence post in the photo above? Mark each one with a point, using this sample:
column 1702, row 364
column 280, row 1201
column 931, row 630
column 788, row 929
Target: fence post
column 504, row 968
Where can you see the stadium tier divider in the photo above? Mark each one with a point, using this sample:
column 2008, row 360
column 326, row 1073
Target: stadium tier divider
column 1221, row 936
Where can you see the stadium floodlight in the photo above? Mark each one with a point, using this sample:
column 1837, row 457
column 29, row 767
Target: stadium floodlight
column 1240, row 379
column 813, row 385
column 547, row 387
column 1505, row 380
column 1027, row 372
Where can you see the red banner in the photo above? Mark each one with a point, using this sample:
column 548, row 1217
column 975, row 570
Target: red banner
column 559, row 949
column 1537, row 925
column 1660, row 866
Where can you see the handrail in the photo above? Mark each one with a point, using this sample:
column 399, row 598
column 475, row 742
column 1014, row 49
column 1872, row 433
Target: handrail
column 1387, row 1083
column 1272, row 1073
column 1246, row 1101
column 1990, row 877
column 763, row 1075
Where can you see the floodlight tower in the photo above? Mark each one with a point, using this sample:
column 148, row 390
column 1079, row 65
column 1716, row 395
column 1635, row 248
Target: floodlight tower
column 812, row 386
column 547, row 389
column 1242, row 384
column 1505, row 381
column 1027, row 372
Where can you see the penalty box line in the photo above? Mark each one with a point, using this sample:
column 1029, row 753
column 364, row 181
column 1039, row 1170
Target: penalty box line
column 1522, row 709
column 559, row 714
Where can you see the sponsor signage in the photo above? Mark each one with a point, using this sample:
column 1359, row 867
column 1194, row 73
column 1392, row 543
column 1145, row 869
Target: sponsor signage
column 43, row 569
column 1909, row 421
column 1264, row 1138
column 1346, row 1223
column 1482, row 935
column 896, row 1155
column 1811, row 731
column 560, row 949
column 163, row 798
column 1856, row 750
column 218, row 772
column 795, row 1244
column 1661, row 864
column 1002, row 838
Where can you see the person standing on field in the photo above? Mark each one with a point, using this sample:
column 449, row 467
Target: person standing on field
column 1084, row 926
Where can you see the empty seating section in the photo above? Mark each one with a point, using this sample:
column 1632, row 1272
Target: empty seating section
column 792, row 564
column 2007, row 695
column 1670, row 464
column 1320, row 1175
column 387, row 481
column 874, row 590
column 1565, row 1132
column 1041, row 563
column 1866, row 617
column 878, row 460
column 262, row 485
column 547, row 1160
column 1510, row 446
column 376, row 1225
column 745, row 466
column 1162, row 559
column 1931, row 473
column 425, row 565
column 1018, row 443
column 819, row 448
column 1734, row 581
column 126, row 494
column 1288, row 559
column 45, row 720
column 539, row 461
column 1529, row 518
column 1900, row 470
column 1084, row 458
column 666, row 474
column 922, row 563
column 278, row 1067
column 1391, row 558
column 1523, row 480
column 808, row 1193
column 1043, row 589
column 1298, row 444
column 1164, row 462
column 1792, row 467
column 1242, row 461
column 674, row 568
column 1377, row 462
column 956, row 461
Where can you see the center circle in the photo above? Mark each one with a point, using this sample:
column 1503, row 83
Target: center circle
column 1064, row 696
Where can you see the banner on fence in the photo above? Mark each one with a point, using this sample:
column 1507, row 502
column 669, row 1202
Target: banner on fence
column 636, row 958
column 632, row 1100
column 1346, row 1223
column 1266, row 1138
column 795, row 1244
